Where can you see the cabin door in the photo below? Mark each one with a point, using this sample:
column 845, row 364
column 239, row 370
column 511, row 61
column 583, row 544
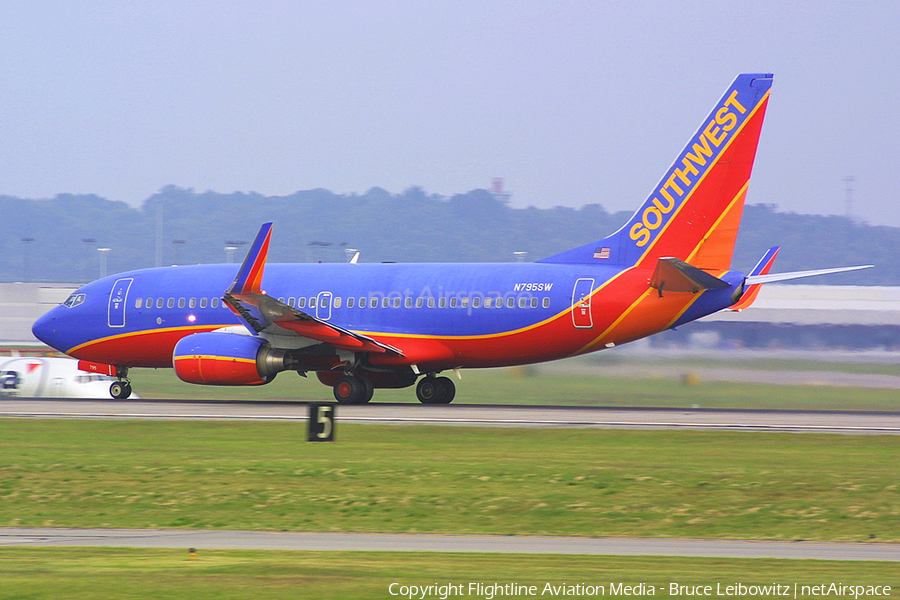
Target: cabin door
column 581, row 304
column 118, row 296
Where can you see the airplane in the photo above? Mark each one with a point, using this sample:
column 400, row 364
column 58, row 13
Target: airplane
column 50, row 377
column 361, row 326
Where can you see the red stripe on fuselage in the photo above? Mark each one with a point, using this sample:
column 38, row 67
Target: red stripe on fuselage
column 150, row 348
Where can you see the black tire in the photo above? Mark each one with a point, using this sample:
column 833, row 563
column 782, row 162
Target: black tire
column 349, row 390
column 430, row 391
column 120, row 390
column 449, row 390
column 370, row 389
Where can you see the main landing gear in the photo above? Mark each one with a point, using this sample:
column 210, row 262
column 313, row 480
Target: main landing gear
column 358, row 389
column 350, row 389
column 435, row 390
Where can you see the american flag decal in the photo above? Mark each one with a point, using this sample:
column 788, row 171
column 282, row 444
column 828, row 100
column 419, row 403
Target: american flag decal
column 601, row 253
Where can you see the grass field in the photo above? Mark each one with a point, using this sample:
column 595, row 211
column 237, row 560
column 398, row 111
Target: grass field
column 543, row 386
column 147, row 574
column 77, row 473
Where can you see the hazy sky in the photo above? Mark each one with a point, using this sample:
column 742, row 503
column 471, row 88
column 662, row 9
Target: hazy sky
column 570, row 102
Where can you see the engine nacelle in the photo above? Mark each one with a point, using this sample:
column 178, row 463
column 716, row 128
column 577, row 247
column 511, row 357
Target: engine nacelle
column 215, row 358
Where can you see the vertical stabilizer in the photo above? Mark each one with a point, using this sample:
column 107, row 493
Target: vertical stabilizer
column 694, row 212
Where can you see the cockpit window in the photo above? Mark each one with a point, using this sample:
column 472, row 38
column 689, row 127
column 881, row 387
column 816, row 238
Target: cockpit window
column 74, row 300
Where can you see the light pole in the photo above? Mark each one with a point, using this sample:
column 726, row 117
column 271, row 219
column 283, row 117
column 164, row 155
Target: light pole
column 178, row 244
column 87, row 257
column 103, row 253
column 26, row 257
column 230, row 247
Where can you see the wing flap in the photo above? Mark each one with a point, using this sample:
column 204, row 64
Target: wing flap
column 264, row 314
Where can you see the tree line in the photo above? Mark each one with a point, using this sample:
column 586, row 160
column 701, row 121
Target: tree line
column 73, row 238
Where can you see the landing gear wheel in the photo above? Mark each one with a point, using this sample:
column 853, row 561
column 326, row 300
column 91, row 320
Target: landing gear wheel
column 120, row 390
column 370, row 389
column 435, row 390
column 449, row 390
column 351, row 390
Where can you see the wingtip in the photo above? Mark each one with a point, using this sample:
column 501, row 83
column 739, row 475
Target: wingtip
column 249, row 277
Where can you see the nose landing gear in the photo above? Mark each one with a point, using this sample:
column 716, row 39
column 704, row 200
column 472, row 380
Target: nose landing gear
column 121, row 389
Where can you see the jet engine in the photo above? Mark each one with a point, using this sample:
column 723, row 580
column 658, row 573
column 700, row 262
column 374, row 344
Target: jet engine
column 216, row 358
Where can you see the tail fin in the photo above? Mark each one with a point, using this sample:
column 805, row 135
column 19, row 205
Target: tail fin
column 694, row 212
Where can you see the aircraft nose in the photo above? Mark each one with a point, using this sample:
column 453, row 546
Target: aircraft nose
column 45, row 329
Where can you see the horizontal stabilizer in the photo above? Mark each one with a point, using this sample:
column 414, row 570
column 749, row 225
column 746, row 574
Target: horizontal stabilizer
column 675, row 275
column 755, row 279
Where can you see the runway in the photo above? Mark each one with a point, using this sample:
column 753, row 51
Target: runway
column 469, row 415
column 389, row 542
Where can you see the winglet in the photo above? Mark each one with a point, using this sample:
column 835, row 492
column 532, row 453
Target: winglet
column 752, row 291
column 249, row 278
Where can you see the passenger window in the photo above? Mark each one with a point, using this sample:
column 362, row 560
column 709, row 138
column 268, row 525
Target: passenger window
column 408, row 302
column 523, row 302
column 534, row 303
column 312, row 302
column 292, row 301
column 510, row 302
column 337, row 302
column 374, row 302
column 214, row 303
column 203, row 302
column 181, row 303
column 350, row 301
column 546, row 302
column 453, row 301
column 301, row 302
column 170, row 303
column 464, row 302
column 385, row 302
column 397, row 302
column 442, row 303
column 420, row 302
column 138, row 303
column 487, row 302
column 431, row 303
column 192, row 303
column 476, row 302
column 159, row 302
column 362, row 302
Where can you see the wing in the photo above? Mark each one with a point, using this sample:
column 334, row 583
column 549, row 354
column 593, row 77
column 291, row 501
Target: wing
column 263, row 314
